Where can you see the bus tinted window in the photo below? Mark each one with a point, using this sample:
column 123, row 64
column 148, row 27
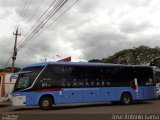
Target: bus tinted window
column 118, row 76
column 51, row 77
column 144, row 75
column 91, row 76
column 34, row 69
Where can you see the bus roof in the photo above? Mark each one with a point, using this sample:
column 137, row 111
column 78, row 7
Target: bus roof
column 81, row 63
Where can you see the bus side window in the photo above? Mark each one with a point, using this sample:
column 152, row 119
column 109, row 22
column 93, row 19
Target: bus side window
column 144, row 75
column 119, row 76
column 51, row 77
column 126, row 75
column 80, row 78
column 67, row 76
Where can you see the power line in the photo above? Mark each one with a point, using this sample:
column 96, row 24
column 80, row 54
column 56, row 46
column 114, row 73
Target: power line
column 7, row 62
column 29, row 3
column 33, row 16
column 28, row 53
column 21, row 14
column 28, row 7
column 42, row 24
column 7, row 44
column 18, row 23
column 38, row 21
column 36, row 11
column 57, row 18
column 20, row 19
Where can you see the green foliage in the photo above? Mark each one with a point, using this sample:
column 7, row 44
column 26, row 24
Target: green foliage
column 95, row 60
column 1, row 70
column 134, row 56
column 8, row 69
column 17, row 69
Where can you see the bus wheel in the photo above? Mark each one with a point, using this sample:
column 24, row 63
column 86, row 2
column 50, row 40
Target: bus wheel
column 46, row 103
column 126, row 99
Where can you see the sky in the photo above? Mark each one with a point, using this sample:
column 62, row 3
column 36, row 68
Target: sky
column 91, row 29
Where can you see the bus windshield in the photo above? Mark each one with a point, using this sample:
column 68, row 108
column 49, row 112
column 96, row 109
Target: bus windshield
column 25, row 80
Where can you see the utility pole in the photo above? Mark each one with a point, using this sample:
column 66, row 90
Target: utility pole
column 14, row 50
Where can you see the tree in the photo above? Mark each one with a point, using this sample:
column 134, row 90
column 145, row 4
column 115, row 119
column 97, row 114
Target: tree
column 8, row 69
column 142, row 55
column 95, row 60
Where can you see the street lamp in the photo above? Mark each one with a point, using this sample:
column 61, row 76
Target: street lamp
column 59, row 57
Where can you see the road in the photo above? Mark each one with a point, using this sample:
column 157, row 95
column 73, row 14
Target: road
column 98, row 109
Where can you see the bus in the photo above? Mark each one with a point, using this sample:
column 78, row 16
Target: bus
column 6, row 86
column 52, row 83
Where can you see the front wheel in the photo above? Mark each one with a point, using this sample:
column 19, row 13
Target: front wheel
column 126, row 99
column 46, row 103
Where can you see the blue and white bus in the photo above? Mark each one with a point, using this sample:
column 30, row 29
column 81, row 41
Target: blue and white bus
column 51, row 83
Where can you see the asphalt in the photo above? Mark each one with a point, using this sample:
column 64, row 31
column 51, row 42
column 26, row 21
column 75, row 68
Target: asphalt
column 83, row 111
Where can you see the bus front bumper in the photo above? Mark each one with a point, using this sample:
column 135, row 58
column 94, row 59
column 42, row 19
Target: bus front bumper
column 19, row 100
column 2, row 99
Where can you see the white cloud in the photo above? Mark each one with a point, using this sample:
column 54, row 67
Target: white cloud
column 91, row 29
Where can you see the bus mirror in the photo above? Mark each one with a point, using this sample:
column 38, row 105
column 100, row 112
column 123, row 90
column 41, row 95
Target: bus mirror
column 15, row 77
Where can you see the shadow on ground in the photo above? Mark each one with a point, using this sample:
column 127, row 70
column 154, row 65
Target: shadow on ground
column 5, row 104
column 77, row 106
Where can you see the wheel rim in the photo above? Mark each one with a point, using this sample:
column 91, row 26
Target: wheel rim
column 126, row 99
column 45, row 103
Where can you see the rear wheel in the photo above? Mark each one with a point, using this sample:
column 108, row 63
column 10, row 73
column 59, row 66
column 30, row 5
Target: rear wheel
column 46, row 103
column 126, row 98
